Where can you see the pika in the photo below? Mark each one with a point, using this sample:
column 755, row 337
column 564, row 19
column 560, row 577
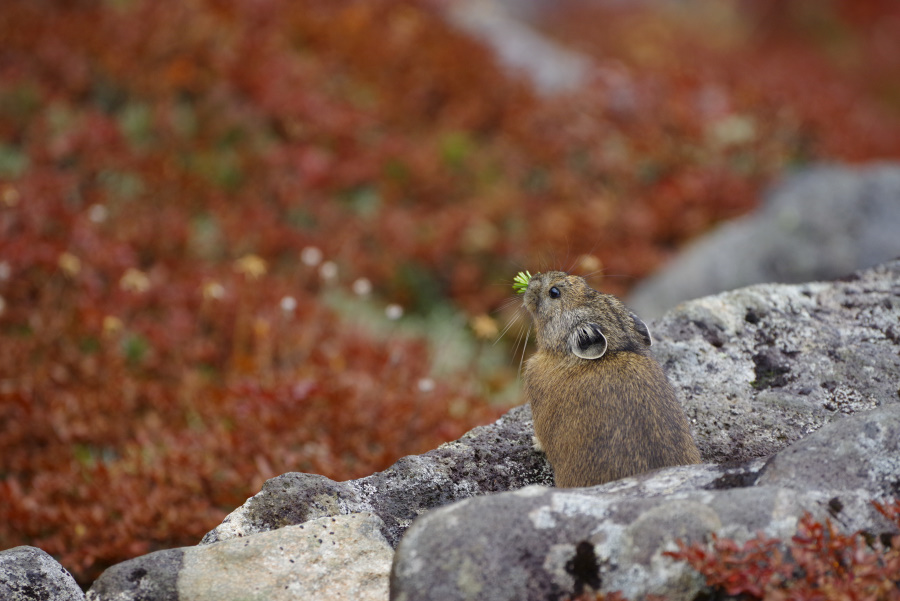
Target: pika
column 603, row 408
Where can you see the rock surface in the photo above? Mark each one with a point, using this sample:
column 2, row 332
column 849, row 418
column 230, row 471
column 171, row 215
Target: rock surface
column 522, row 49
column 542, row 543
column 488, row 459
column 29, row 574
column 763, row 366
column 345, row 557
column 821, row 223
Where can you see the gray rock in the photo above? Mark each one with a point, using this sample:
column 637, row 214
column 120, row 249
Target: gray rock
column 541, row 543
column 821, row 223
column 152, row 577
column 860, row 455
column 763, row 366
column 30, row 574
column 488, row 459
column 345, row 557
column 520, row 48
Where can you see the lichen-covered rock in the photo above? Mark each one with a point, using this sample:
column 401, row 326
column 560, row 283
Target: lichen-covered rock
column 152, row 577
column 345, row 557
column 759, row 368
column 30, row 574
column 819, row 224
column 543, row 543
column 861, row 454
column 488, row 459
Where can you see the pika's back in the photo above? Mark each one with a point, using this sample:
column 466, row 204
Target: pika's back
column 602, row 406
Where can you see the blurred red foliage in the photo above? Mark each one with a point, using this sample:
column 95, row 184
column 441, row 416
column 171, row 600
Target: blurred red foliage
column 163, row 166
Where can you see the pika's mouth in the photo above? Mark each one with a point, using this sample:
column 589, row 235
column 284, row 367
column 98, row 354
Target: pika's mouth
column 531, row 299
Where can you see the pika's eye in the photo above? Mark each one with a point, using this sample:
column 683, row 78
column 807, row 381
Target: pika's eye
column 554, row 292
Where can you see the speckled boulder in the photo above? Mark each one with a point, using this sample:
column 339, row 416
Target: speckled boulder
column 761, row 367
column 345, row 557
column 31, row 574
column 543, row 543
column 488, row 459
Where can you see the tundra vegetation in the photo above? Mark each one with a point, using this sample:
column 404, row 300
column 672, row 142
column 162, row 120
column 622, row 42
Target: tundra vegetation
column 199, row 200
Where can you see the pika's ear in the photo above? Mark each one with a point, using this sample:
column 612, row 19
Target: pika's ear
column 587, row 341
column 641, row 328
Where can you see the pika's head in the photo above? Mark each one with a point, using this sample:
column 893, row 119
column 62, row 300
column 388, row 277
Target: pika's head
column 570, row 317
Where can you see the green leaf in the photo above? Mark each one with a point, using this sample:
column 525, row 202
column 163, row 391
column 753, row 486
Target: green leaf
column 520, row 282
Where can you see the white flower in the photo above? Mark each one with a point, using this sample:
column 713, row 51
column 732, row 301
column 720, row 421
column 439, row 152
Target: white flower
column 98, row 213
column 393, row 311
column 426, row 385
column 328, row 270
column 288, row 304
column 362, row 287
column 311, row 256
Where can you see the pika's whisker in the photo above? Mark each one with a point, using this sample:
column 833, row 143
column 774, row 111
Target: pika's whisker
column 522, row 331
column 507, row 303
column 503, row 332
column 524, row 348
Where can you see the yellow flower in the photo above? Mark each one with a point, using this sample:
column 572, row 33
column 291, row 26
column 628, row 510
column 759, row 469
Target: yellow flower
column 484, row 326
column 134, row 280
column 10, row 196
column 111, row 325
column 69, row 263
column 589, row 264
column 213, row 290
column 251, row 266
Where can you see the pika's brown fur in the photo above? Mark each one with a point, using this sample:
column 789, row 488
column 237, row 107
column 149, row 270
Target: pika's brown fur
column 603, row 408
